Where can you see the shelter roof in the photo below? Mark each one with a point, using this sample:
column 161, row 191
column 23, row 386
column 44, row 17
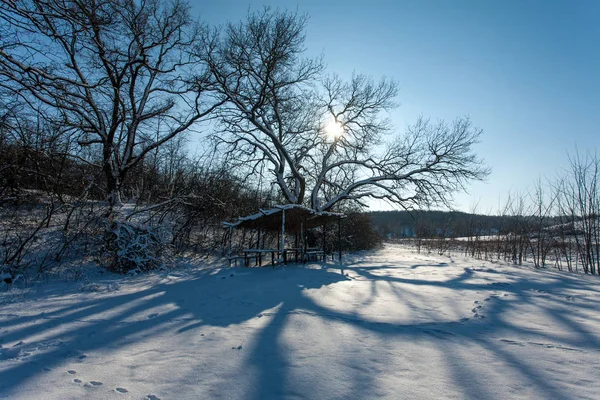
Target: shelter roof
column 296, row 215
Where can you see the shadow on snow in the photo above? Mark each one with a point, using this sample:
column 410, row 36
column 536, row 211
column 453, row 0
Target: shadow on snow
column 202, row 300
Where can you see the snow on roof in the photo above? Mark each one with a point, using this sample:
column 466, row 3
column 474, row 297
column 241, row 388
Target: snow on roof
column 295, row 215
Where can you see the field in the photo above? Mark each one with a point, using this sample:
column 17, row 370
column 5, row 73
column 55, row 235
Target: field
column 385, row 324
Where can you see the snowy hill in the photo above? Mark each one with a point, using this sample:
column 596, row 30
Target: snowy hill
column 389, row 324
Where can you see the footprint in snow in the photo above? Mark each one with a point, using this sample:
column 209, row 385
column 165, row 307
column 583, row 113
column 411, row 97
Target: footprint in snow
column 71, row 372
column 545, row 345
column 499, row 284
column 93, row 384
column 77, row 380
column 439, row 333
column 122, row 390
column 82, row 357
column 548, row 346
column 151, row 397
column 513, row 342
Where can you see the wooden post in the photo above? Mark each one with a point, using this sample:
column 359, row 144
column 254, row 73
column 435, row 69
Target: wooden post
column 304, row 236
column 229, row 251
column 258, row 240
column 324, row 234
column 283, row 236
column 340, row 239
column 296, row 244
column 259, row 259
column 302, row 240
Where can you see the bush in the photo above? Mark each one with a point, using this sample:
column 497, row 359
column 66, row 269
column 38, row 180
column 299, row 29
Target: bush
column 131, row 247
column 358, row 233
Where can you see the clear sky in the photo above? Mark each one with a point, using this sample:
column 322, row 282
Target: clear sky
column 526, row 72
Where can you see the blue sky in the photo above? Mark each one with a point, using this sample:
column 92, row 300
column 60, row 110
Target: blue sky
column 526, row 72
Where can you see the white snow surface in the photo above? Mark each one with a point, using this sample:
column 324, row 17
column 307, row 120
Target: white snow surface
column 390, row 324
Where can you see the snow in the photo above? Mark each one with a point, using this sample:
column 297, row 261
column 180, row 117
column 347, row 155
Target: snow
column 389, row 324
column 279, row 208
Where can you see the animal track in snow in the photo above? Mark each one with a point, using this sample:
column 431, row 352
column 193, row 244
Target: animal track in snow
column 151, row 397
column 477, row 309
column 513, row 342
column 93, row 384
column 439, row 333
column 71, row 372
column 540, row 291
column 77, row 380
column 499, row 284
column 478, row 306
column 122, row 390
column 545, row 345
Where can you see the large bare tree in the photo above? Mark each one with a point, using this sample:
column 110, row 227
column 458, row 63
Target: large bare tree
column 268, row 114
column 321, row 138
column 117, row 73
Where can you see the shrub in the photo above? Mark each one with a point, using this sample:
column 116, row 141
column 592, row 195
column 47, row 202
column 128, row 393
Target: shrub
column 131, row 247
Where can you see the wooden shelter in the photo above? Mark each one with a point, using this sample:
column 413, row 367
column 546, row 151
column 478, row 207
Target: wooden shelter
column 286, row 219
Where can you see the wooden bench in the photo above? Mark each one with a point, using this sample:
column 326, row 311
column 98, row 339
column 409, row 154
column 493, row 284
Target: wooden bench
column 315, row 255
column 234, row 260
column 257, row 255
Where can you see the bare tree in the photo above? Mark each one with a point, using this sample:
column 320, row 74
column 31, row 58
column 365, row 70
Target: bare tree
column 543, row 204
column 318, row 135
column 269, row 114
column 580, row 198
column 117, row 74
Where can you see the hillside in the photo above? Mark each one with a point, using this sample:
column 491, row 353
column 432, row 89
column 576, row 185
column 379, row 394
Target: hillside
column 398, row 224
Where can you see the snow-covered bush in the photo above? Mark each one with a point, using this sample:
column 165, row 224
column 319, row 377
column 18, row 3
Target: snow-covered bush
column 131, row 247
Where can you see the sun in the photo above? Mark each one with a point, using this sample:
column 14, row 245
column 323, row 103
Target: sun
column 334, row 129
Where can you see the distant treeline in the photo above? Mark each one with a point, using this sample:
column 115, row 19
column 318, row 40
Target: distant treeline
column 427, row 224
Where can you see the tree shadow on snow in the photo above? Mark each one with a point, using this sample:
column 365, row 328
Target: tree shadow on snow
column 186, row 306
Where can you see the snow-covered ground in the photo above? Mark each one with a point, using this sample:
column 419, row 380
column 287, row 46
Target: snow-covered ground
column 389, row 324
